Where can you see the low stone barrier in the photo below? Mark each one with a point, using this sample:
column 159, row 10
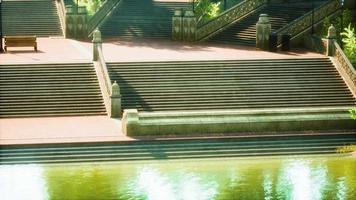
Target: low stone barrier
column 136, row 123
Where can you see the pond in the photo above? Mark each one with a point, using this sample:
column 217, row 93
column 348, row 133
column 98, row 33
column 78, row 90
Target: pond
column 280, row 177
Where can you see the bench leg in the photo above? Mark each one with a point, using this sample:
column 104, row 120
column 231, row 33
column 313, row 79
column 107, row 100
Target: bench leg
column 36, row 47
column 5, row 48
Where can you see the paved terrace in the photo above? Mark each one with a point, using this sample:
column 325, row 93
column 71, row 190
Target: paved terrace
column 102, row 128
column 59, row 50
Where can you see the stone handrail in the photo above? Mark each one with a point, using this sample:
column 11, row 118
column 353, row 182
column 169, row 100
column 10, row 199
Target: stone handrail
column 345, row 68
column 99, row 15
column 228, row 17
column 104, row 78
column 304, row 22
column 62, row 15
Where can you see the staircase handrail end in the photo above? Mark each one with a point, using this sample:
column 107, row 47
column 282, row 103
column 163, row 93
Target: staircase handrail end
column 95, row 20
column 286, row 27
column 345, row 68
column 201, row 28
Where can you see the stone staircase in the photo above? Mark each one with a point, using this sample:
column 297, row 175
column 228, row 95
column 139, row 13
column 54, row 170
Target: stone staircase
column 35, row 17
column 243, row 32
column 142, row 19
column 242, row 84
column 49, row 90
column 176, row 149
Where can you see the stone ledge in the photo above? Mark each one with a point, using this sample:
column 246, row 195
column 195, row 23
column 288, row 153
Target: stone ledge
column 136, row 123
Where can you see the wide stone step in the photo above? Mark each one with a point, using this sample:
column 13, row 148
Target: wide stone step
column 154, row 86
column 38, row 18
column 224, row 106
column 140, row 19
column 165, row 149
column 230, row 89
column 245, row 29
column 49, row 90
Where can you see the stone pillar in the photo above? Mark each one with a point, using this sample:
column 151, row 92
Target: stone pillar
column 189, row 26
column 76, row 23
column 177, row 23
column 70, row 22
column 115, row 101
column 82, row 23
column 330, row 49
column 130, row 121
column 97, row 41
column 263, row 29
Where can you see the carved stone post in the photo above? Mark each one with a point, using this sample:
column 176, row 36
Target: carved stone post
column 115, row 101
column 263, row 29
column 177, row 23
column 76, row 23
column 189, row 26
column 330, row 49
column 130, row 121
column 70, row 22
column 82, row 23
column 96, row 44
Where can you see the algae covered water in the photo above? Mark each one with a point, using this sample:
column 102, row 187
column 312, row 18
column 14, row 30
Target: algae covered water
column 293, row 177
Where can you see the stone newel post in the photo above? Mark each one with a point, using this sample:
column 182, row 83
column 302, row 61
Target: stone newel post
column 115, row 100
column 96, row 44
column 189, row 26
column 177, row 23
column 330, row 49
column 263, row 29
column 130, row 121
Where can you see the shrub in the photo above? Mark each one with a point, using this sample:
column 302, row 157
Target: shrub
column 346, row 149
column 91, row 5
column 206, row 10
column 346, row 20
column 353, row 113
column 349, row 40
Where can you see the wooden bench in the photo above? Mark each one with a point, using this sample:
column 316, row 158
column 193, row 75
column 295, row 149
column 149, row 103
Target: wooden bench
column 20, row 41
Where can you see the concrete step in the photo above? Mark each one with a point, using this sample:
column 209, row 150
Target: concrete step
column 142, row 19
column 243, row 32
column 179, row 149
column 49, row 90
column 38, row 18
column 230, row 84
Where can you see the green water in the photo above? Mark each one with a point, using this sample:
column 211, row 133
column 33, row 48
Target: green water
column 297, row 177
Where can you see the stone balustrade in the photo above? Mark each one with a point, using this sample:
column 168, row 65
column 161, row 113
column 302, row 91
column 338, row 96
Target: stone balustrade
column 111, row 93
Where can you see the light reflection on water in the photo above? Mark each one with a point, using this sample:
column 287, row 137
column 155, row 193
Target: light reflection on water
column 304, row 178
column 22, row 182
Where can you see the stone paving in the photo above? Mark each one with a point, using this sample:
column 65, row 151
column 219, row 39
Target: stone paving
column 60, row 130
column 102, row 128
column 59, row 50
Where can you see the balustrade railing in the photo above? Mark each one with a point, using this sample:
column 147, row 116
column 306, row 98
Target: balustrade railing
column 62, row 14
column 228, row 17
column 345, row 68
column 309, row 19
column 104, row 78
column 99, row 15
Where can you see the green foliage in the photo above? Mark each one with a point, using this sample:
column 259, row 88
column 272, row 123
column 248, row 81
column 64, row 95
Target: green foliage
column 91, row 5
column 206, row 10
column 326, row 25
column 353, row 113
column 345, row 19
column 349, row 40
column 346, row 149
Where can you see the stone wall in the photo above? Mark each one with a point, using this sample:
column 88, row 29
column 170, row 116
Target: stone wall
column 136, row 123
